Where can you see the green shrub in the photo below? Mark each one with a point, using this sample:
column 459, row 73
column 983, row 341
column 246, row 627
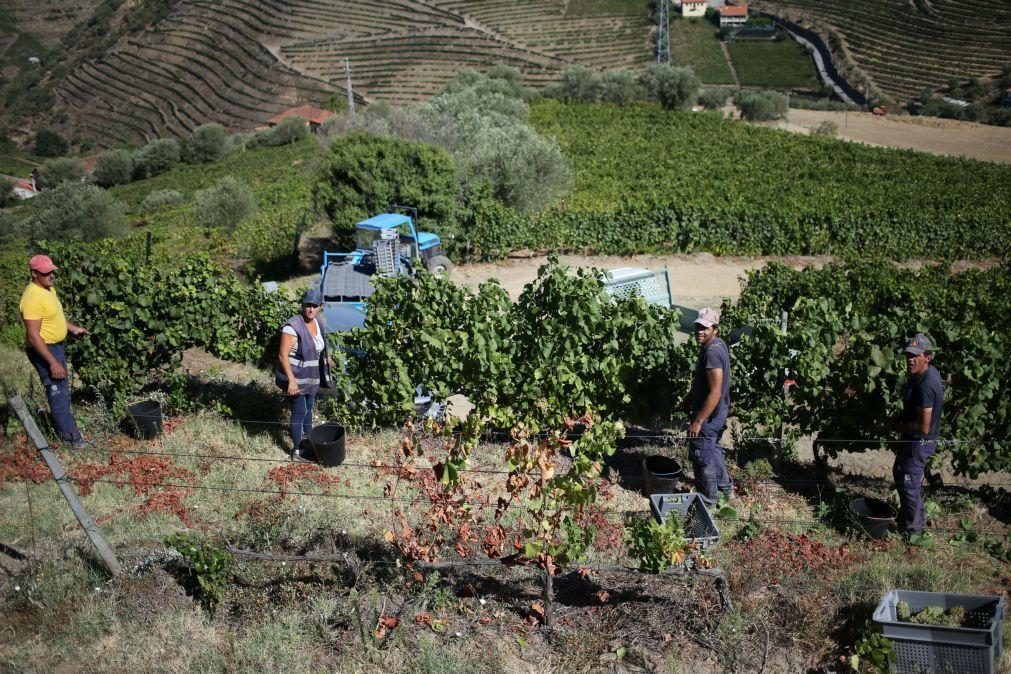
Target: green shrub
column 61, row 170
column 762, row 106
column 620, row 87
column 674, row 87
column 476, row 101
column 239, row 141
column 224, row 205
column 14, row 270
column 828, row 129
column 205, row 564
column 50, row 144
column 578, row 83
column 207, row 144
column 7, row 192
column 143, row 317
column 501, row 79
column 713, row 99
column 564, row 345
column 289, row 130
column 74, row 212
column 161, row 199
column 362, row 175
column 113, row 167
column 155, row 158
column 523, row 170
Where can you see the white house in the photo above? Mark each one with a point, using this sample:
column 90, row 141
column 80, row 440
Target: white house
column 694, row 7
column 733, row 15
column 24, row 188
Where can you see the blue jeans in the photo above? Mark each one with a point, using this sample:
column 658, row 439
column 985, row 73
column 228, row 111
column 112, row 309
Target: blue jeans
column 907, row 472
column 707, row 459
column 301, row 417
column 57, row 393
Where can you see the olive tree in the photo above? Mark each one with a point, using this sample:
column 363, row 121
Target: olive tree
column 48, row 143
column 224, row 205
column 521, row 169
column 619, row 87
column 61, row 170
column 761, row 106
column 207, row 144
column 74, row 212
column 713, row 99
column 289, row 130
column 578, row 83
column 363, row 174
column 674, row 87
column 156, row 157
column 113, row 167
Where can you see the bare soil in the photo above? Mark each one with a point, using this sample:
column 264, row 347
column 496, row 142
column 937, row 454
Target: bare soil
column 697, row 280
column 925, row 134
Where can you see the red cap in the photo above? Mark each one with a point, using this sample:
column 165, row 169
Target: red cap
column 41, row 264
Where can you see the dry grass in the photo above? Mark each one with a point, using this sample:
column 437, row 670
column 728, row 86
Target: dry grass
column 62, row 612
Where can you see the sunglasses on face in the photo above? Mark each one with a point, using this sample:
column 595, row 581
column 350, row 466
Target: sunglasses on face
column 47, row 273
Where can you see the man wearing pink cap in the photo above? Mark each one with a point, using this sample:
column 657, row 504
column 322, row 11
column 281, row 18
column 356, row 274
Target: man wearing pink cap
column 709, row 405
column 46, row 328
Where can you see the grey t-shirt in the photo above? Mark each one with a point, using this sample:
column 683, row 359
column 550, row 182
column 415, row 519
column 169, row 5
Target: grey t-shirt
column 714, row 355
column 925, row 391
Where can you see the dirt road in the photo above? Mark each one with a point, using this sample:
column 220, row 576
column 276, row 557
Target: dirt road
column 697, row 280
column 926, row 134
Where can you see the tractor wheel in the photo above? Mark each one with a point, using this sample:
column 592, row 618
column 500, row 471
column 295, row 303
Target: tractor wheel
column 439, row 265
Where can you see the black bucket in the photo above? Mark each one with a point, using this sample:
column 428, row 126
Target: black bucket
column 328, row 442
column 660, row 475
column 145, row 418
column 876, row 517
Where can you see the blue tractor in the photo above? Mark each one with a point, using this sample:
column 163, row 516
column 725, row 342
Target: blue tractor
column 385, row 245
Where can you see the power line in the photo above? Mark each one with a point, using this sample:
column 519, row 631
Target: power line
column 380, row 467
column 606, row 512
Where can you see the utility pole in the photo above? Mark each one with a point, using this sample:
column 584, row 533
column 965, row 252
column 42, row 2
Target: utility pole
column 351, row 95
column 663, row 33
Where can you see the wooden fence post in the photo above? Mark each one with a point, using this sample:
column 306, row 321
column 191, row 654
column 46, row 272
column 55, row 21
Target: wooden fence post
column 60, row 476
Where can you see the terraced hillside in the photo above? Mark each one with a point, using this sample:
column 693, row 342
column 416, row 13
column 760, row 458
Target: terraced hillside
column 239, row 62
column 50, row 20
column 901, row 47
column 406, row 51
column 198, row 65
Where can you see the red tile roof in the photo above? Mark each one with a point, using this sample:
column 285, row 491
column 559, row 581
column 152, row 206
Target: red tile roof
column 694, row 2
column 309, row 113
column 734, row 10
column 20, row 183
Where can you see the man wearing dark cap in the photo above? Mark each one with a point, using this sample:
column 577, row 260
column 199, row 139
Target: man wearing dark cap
column 922, row 401
column 709, row 403
column 47, row 328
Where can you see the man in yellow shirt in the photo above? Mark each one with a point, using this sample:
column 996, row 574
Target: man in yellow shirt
column 47, row 327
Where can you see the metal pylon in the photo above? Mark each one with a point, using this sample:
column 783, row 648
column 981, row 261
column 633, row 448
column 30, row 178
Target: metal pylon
column 351, row 95
column 663, row 32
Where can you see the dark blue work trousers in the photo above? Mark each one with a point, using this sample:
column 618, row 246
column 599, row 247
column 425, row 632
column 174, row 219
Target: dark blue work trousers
column 910, row 463
column 301, row 417
column 57, row 393
column 706, row 456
